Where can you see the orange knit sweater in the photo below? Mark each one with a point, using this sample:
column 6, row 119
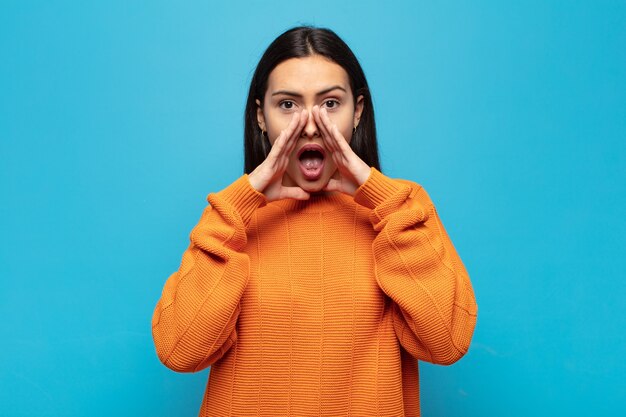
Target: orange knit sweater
column 317, row 307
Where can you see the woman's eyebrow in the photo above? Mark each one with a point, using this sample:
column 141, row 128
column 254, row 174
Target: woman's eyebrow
column 324, row 91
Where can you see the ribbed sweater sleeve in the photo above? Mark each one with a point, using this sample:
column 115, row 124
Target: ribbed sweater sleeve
column 193, row 324
column 417, row 266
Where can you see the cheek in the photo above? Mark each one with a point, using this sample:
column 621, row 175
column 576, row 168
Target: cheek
column 343, row 121
column 277, row 122
column 346, row 131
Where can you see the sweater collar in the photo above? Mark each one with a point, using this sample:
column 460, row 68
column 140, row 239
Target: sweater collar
column 317, row 203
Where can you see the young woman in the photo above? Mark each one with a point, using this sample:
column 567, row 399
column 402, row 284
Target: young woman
column 313, row 283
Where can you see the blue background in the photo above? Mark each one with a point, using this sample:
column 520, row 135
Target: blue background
column 117, row 118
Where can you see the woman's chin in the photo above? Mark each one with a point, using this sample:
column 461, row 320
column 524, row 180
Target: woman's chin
column 313, row 187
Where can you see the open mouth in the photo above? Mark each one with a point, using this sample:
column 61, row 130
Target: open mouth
column 311, row 159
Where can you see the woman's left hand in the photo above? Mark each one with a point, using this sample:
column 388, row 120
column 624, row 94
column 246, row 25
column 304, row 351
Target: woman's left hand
column 352, row 172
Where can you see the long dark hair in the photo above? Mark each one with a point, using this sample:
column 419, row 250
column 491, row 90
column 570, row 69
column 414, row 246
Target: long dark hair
column 300, row 42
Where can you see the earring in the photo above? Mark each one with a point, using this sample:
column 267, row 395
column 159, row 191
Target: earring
column 264, row 143
column 354, row 130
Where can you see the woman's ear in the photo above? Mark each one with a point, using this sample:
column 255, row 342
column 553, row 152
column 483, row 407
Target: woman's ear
column 260, row 117
column 358, row 109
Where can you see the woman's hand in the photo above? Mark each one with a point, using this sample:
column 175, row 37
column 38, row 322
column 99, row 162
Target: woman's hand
column 352, row 172
column 268, row 176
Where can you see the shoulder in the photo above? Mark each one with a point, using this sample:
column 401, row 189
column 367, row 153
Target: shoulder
column 417, row 191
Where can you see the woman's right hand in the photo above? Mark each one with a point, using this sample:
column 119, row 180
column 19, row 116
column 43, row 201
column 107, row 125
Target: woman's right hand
column 268, row 176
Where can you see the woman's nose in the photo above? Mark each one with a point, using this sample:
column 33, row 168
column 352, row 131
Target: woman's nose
column 310, row 128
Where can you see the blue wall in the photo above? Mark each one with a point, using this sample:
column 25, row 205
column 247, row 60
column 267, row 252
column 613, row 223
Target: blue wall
column 117, row 118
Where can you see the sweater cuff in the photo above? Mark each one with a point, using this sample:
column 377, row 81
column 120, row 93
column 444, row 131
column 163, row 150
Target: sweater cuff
column 376, row 189
column 244, row 198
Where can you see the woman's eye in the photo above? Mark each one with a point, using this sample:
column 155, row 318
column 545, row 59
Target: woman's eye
column 331, row 104
column 289, row 105
column 286, row 104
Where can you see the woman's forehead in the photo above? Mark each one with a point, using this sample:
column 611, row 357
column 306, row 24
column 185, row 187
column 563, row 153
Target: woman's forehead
column 309, row 75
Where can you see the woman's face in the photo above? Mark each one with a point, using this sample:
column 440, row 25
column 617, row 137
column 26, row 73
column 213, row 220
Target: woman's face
column 298, row 84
